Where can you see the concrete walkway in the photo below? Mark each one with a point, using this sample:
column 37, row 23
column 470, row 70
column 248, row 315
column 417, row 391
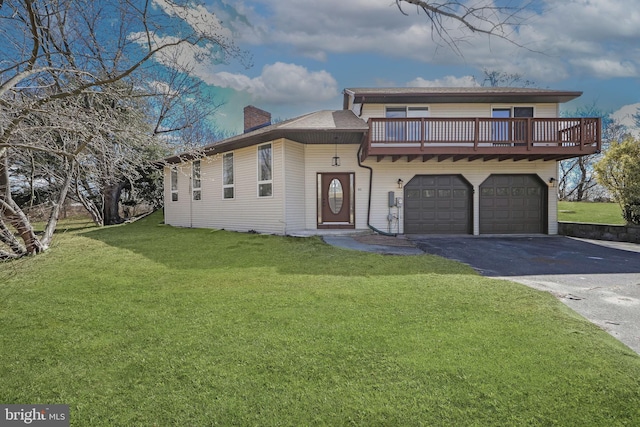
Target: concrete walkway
column 375, row 243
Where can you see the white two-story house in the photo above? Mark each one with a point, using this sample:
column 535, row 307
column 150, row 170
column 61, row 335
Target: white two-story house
column 396, row 160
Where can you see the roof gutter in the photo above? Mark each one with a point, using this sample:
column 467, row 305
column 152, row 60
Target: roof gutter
column 349, row 98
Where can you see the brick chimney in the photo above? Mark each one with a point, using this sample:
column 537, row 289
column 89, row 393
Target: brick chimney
column 255, row 118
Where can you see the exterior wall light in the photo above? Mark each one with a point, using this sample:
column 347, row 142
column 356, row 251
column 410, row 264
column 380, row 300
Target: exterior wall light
column 335, row 160
column 400, row 182
column 552, row 182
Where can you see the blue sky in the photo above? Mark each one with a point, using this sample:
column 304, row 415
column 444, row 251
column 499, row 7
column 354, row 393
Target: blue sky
column 304, row 52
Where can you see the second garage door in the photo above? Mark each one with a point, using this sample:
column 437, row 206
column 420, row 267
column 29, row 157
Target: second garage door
column 438, row 204
column 513, row 204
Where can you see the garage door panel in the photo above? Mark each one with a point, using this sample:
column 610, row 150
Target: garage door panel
column 501, row 203
column 512, row 204
column 444, row 208
column 412, row 216
column 430, row 204
column 460, row 204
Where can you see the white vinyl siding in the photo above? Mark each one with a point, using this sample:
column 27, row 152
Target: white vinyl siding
column 294, row 179
column 246, row 211
column 463, row 110
column 177, row 212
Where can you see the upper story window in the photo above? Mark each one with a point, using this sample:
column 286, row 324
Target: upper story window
column 228, row 186
column 196, row 181
column 507, row 130
column 174, row 185
column 406, row 111
column 516, row 112
column 406, row 130
column 265, row 171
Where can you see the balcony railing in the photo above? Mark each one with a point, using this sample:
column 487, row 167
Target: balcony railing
column 518, row 138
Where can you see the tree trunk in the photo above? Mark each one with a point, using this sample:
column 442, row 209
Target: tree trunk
column 111, row 208
column 7, row 237
column 12, row 214
column 583, row 180
column 55, row 212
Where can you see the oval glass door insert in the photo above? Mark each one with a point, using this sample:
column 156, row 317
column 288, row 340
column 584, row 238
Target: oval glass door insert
column 335, row 196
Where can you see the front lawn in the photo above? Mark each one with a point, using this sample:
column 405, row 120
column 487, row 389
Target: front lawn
column 146, row 324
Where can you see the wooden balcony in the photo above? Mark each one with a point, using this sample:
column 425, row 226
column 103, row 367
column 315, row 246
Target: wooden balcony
column 482, row 138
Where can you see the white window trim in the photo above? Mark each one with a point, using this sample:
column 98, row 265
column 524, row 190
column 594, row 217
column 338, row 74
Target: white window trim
column 233, row 175
column 172, row 171
column 195, row 188
column 410, row 107
column 269, row 181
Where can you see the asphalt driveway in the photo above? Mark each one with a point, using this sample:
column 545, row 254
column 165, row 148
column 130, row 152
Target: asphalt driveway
column 599, row 280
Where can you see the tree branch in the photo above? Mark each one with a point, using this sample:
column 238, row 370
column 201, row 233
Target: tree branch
column 496, row 17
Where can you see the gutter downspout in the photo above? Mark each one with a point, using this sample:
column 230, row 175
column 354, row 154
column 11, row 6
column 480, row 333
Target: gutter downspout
column 369, row 205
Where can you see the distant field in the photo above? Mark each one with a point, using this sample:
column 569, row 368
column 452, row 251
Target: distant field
column 596, row 213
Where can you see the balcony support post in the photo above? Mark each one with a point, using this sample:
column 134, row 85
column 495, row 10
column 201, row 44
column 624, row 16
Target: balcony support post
column 476, row 134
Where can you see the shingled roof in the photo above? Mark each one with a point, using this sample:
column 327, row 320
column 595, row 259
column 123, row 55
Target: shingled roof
column 321, row 127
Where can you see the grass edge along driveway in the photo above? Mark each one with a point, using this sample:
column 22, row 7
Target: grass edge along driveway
column 147, row 324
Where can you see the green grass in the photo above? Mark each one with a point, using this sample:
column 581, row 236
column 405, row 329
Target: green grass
column 146, row 324
column 590, row 212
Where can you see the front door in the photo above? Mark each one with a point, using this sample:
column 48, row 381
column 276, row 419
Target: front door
column 336, row 200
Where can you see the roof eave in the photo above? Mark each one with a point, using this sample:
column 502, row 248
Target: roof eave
column 322, row 136
column 559, row 97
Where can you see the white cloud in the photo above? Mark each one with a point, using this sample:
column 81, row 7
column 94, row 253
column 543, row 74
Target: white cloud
column 564, row 37
column 197, row 17
column 607, row 68
column 447, row 81
column 163, row 88
column 624, row 115
column 280, row 83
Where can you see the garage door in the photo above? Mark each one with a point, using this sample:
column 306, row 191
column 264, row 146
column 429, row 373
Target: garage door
column 437, row 204
column 513, row 204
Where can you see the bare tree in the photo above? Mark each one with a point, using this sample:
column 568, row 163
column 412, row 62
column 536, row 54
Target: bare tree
column 577, row 179
column 70, row 71
column 477, row 17
column 495, row 78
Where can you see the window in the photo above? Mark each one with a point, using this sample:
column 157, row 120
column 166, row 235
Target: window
column 415, row 130
column 227, row 176
column 395, row 128
column 265, row 168
column 511, row 130
column 195, row 179
column 520, row 128
column 174, row 185
column 406, row 130
column 501, row 127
